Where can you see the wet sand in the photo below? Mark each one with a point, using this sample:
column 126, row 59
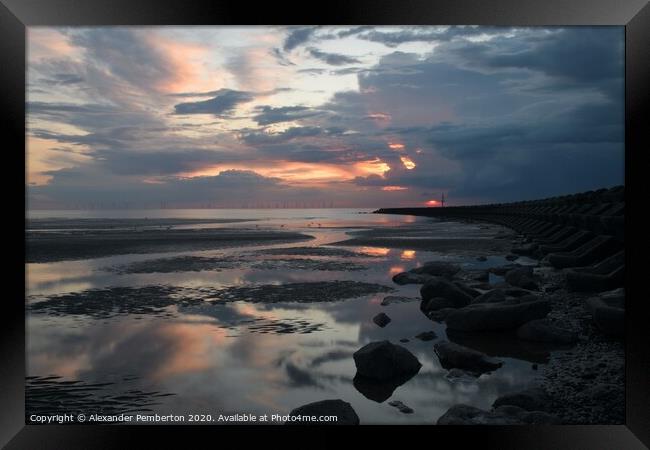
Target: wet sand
column 66, row 246
column 484, row 239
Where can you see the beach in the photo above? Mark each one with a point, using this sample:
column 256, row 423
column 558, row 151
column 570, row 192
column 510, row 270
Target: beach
column 264, row 311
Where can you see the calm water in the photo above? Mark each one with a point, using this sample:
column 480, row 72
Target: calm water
column 238, row 357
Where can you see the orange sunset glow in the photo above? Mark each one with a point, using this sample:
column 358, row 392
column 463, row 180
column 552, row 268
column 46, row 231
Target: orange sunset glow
column 410, row 165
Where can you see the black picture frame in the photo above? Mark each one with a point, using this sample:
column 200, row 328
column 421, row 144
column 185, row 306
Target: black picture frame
column 16, row 15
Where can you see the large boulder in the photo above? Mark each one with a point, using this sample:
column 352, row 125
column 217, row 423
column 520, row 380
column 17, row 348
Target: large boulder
column 410, row 278
column 438, row 269
column 496, row 316
column 435, row 304
column 456, row 356
column 440, row 315
column 503, row 415
column 440, row 287
column 384, row 361
column 493, row 296
column 342, row 410
column 522, row 277
column 377, row 390
column 541, row 330
column 466, row 289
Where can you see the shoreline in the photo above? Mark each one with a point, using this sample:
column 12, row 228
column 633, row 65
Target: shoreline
column 579, row 384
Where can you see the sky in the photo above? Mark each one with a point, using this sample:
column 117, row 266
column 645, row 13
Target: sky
column 303, row 116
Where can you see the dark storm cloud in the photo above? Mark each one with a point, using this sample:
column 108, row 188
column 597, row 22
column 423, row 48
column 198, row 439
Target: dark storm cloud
column 570, row 58
column 334, row 59
column 515, row 123
column 224, row 102
column 268, row 114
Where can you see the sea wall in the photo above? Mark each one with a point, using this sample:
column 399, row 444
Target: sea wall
column 582, row 233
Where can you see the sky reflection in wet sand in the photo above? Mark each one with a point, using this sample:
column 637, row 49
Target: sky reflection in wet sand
column 258, row 358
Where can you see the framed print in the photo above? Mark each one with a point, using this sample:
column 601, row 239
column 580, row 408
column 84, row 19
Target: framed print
column 256, row 220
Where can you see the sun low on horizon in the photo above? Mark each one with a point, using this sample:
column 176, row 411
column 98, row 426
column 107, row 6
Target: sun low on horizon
column 343, row 116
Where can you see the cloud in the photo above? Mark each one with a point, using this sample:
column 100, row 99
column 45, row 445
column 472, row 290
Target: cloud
column 296, row 37
column 58, row 79
column 422, row 34
column 224, row 102
column 483, row 113
column 334, row 59
column 268, row 115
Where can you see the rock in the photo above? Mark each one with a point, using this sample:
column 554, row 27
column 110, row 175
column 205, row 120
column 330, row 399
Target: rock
column 466, row 289
column 440, row 315
column 481, row 258
column 493, row 296
column 511, row 257
column 516, row 292
column 401, row 406
column 410, row 278
column 502, row 270
column 390, row 299
column 541, row 330
column 533, row 399
column 343, row 410
column 608, row 313
column 427, row 336
column 504, row 415
column 496, row 316
column 438, row 269
column 478, row 275
column 456, row 375
column 383, row 361
column 381, row 319
column 377, row 390
column 439, row 287
column 522, row 277
column 618, row 294
column 456, row 356
column 436, row 303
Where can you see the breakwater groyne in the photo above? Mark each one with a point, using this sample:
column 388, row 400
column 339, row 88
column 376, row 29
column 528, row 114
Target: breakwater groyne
column 582, row 233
